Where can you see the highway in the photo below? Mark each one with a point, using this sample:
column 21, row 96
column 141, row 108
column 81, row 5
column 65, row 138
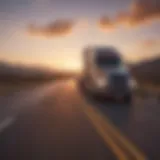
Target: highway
column 57, row 121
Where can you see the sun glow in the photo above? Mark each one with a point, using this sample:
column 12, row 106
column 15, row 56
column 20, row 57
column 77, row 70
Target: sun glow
column 68, row 64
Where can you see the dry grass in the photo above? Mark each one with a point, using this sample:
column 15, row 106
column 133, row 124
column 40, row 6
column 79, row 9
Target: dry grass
column 148, row 91
column 10, row 88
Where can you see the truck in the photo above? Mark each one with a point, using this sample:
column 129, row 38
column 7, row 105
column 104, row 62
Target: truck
column 106, row 75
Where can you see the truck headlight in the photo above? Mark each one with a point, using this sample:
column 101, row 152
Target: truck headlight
column 132, row 83
column 101, row 81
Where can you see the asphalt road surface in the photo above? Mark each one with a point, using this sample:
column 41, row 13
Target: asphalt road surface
column 58, row 122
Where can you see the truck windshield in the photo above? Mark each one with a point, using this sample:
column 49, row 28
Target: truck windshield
column 107, row 61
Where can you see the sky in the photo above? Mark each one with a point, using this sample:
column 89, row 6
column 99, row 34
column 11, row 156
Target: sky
column 53, row 33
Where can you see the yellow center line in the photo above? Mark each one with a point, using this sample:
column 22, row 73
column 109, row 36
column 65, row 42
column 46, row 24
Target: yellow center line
column 108, row 140
column 100, row 129
column 110, row 133
column 103, row 122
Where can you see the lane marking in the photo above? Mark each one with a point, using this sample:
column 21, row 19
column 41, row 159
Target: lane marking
column 6, row 123
column 125, row 142
column 110, row 133
column 108, row 140
column 119, row 153
column 100, row 121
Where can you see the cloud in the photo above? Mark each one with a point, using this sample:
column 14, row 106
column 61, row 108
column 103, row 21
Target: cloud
column 106, row 24
column 139, row 12
column 54, row 29
column 149, row 43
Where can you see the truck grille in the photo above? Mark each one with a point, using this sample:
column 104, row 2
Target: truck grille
column 119, row 83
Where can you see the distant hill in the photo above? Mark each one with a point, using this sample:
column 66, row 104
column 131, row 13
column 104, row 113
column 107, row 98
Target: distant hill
column 20, row 73
column 147, row 72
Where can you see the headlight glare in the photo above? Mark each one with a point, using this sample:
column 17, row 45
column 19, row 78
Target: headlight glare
column 132, row 83
column 101, row 82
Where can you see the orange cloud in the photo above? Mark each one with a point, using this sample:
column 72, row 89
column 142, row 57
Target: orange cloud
column 54, row 29
column 105, row 23
column 139, row 12
column 150, row 43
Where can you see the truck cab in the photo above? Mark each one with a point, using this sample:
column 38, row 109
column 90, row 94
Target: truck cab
column 105, row 74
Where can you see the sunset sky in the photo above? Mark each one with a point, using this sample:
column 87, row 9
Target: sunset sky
column 53, row 32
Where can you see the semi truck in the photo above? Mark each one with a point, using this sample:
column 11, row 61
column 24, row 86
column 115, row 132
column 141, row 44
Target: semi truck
column 106, row 75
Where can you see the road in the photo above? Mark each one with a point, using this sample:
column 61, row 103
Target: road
column 57, row 121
